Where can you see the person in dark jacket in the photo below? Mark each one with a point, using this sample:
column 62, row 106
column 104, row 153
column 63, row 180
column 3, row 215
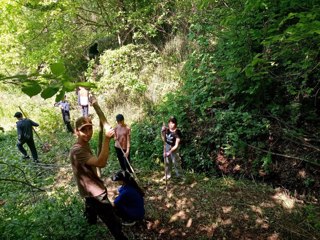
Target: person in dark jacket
column 129, row 204
column 25, row 135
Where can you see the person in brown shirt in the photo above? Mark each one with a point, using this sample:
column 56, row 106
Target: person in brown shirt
column 91, row 187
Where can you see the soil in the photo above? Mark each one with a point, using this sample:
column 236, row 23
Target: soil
column 273, row 206
column 224, row 208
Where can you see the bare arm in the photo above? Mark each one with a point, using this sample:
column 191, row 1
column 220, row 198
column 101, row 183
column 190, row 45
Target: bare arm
column 101, row 160
column 128, row 143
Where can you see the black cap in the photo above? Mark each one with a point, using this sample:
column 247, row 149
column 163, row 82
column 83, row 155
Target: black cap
column 119, row 118
column 121, row 176
column 18, row 115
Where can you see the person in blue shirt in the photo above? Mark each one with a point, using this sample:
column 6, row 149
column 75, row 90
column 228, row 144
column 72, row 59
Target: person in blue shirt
column 65, row 110
column 129, row 204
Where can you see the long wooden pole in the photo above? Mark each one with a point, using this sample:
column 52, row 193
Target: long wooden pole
column 165, row 158
column 106, row 126
column 103, row 125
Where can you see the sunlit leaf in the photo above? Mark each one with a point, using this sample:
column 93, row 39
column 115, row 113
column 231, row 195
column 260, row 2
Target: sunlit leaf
column 69, row 86
column 86, row 84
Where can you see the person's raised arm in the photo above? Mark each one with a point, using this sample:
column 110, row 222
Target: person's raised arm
column 101, row 160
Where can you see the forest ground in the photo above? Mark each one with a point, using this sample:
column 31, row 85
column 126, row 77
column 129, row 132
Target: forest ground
column 199, row 207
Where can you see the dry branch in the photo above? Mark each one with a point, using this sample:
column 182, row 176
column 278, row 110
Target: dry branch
column 22, row 182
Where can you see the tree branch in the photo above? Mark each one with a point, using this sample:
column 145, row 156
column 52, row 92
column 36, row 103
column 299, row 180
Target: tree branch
column 22, row 182
column 89, row 22
column 285, row 156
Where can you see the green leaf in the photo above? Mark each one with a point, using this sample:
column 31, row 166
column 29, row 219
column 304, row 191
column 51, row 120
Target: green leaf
column 57, row 68
column 31, row 88
column 49, row 92
column 60, row 95
column 85, row 84
column 69, row 86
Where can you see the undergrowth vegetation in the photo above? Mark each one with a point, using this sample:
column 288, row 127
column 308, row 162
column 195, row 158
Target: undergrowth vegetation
column 242, row 78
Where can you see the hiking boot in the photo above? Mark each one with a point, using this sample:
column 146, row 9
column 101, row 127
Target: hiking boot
column 128, row 223
column 26, row 157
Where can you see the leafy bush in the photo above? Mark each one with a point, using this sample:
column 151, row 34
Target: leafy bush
column 146, row 144
column 57, row 217
column 120, row 73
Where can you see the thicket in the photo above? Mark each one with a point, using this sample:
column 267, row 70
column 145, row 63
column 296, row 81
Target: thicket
column 251, row 80
column 249, row 76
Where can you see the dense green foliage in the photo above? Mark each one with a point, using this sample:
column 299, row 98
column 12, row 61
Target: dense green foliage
column 242, row 78
column 232, row 72
column 256, row 65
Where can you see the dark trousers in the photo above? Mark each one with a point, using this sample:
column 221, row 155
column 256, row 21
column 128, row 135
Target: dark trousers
column 122, row 160
column 66, row 120
column 31, row 146
column 105, row 211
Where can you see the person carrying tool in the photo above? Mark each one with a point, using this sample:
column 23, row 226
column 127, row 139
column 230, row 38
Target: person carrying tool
column 171, row 136
column 65, row 110
column 91, row 186
column 129, row 204
column 122, row 134
column 25, row 135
